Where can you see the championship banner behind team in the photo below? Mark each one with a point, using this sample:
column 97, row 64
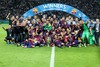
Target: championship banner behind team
column 58, row 7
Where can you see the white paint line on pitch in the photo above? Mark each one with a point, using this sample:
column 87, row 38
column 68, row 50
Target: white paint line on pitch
column 52, row 57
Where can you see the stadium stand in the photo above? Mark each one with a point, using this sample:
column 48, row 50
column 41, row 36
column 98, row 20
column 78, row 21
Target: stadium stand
column 18, row 7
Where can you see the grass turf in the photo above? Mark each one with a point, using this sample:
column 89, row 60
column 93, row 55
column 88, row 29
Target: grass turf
column 12, row 56
column 77, row 57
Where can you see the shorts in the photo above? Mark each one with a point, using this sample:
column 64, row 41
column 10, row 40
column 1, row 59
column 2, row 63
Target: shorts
column 9, row 38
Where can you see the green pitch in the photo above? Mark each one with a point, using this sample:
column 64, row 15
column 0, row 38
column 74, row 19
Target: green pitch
column 77, row 57
column 13, row 56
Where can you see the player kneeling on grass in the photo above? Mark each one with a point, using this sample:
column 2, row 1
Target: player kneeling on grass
column 38, row 41
column 28, row 43
column 72, row 41
column 58, row 42
column 9, row 38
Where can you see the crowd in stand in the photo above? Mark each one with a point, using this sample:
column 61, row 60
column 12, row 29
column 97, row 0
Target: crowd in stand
column 17, row 7
column 52, row 31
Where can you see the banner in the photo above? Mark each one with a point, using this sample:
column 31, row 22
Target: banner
column 58, row 7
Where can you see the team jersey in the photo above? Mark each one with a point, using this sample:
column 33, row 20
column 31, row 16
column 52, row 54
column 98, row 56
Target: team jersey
column 9, row 32
column 85, row 27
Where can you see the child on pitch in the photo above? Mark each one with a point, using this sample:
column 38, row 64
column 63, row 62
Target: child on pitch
column 33, row 39
column 66, row 40
column 79, row 40
column 40, row 39
column 62, row 35
column 28, row 43
column 72, row 41
column 78, row 34
column 53, row 38
column 37, row 39
column 58, row 41
column 75, row 39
